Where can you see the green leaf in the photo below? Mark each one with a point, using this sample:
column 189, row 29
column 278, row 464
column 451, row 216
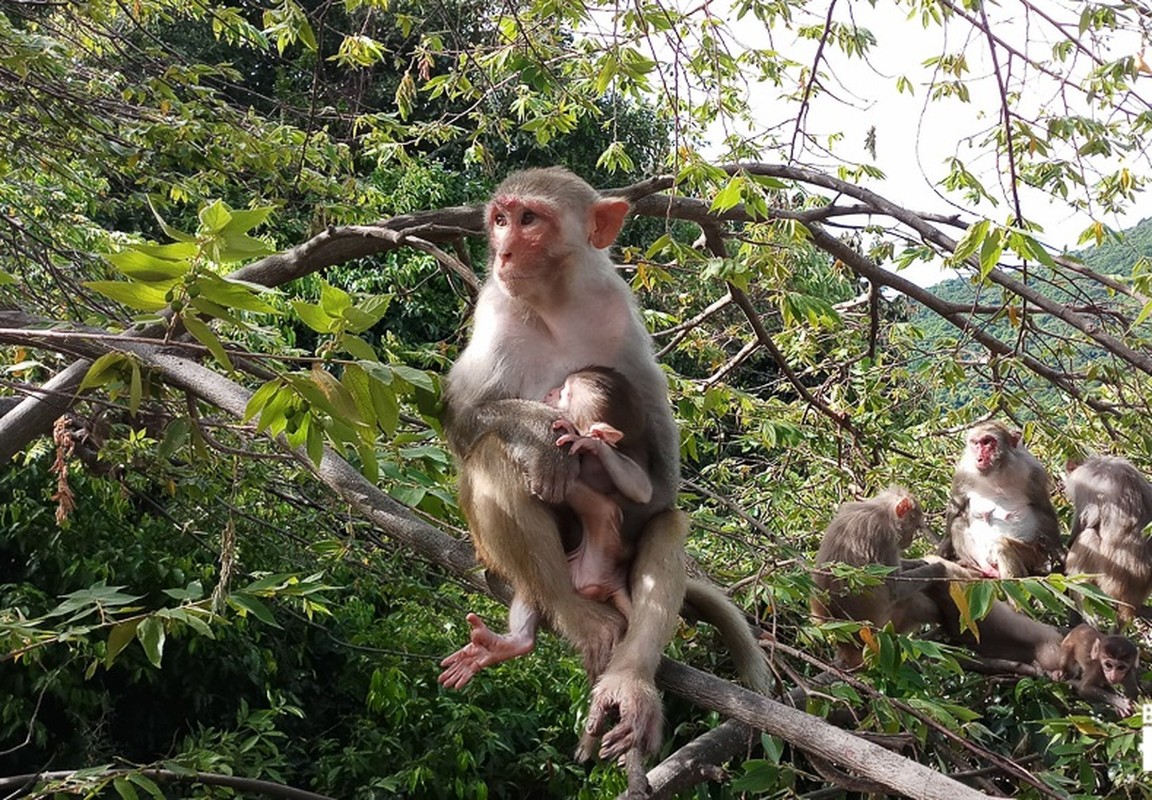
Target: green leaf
column 247, row 604
column 173, row 251
column 730, row 196
column 315, row 444
column 171, row 232
column 334, row 301
column 175, row 434
column 103, row 369
column 214, row 218
column 147, row 784
column 148, row 268
column 386, row 406
column 206, row 337
column 260, row 398
column 231, row 294
column 244, row 220
column 357, row 382
column 119, row 638
column 337, row 395
column 124, row 788
column 136, row 389
column 416, row 377
column 315, row 317
column 135, row 295
column 358, row 348
column 971, row 240
column 150, row 633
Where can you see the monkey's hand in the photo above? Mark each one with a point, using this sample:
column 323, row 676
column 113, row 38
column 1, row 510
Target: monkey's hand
column 568, row 428
column 582, row 444
column 1122, row 704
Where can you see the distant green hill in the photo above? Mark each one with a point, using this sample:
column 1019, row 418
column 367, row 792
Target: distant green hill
column 1113, row 258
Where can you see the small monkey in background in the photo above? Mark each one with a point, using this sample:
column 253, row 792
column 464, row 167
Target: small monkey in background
column 1000, row 519
column 1094, row 664
column 598, row 404
column 873, row 531
column 1112, row 504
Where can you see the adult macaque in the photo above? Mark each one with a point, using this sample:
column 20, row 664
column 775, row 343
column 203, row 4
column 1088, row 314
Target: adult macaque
column 1000, row 520
column 552, row 304
column 1095, row 664
column 1112, row 504
column 873, row 531
column 598, row 405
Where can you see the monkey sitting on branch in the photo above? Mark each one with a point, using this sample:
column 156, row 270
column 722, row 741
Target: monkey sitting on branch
column 1000, row 520
column 1096, row 664
column 874, row 531
column 598, row 405
column 551, row 304
column 1112, row 504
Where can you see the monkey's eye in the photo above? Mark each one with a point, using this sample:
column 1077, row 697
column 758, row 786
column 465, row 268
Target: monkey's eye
column 528, row 217
column 499, row 219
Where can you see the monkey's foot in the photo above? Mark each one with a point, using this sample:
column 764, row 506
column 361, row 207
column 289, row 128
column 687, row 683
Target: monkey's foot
column 625, row 715
column 485, row 650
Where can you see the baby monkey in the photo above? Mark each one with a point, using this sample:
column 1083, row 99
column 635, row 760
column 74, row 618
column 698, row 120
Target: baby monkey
column 1095, row 664
column 597, row 405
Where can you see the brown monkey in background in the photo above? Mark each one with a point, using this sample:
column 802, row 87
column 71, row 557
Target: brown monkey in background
column 1000, row 519
column 598, row 405
column 1008, row 635
column 873, row 531
column 1095, row 664
column 553, row 303
column 1112, row 504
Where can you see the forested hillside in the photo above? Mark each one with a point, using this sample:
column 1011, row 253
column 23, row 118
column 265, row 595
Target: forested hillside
column 1123, row 257
column 243, row 523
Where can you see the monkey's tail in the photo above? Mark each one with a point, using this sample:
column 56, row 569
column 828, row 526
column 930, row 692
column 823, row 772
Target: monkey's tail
column 713, row 606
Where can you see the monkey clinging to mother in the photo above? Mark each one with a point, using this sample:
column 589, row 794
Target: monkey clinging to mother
column 553, row 304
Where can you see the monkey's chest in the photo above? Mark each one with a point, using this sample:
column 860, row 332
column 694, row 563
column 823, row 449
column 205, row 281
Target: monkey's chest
column 992, row 518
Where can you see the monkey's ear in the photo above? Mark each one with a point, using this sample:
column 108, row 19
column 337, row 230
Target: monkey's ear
column 1094, row 654
column 1014, row 437
column 604, row 431
column 903, row 507
column 605, row 220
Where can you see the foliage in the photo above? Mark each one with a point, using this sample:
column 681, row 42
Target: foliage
column 178, row 591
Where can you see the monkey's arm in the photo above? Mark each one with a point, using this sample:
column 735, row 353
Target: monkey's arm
column 917, row 575
column 524, row 427
column 1097, row 694
column 627, row 476
column 955, row 523
column 1047, row 521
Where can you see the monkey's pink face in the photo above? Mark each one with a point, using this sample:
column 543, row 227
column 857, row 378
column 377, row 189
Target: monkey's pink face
column 985, row 451
column 522, row 235
column 558, row 397
column 1114, row 669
